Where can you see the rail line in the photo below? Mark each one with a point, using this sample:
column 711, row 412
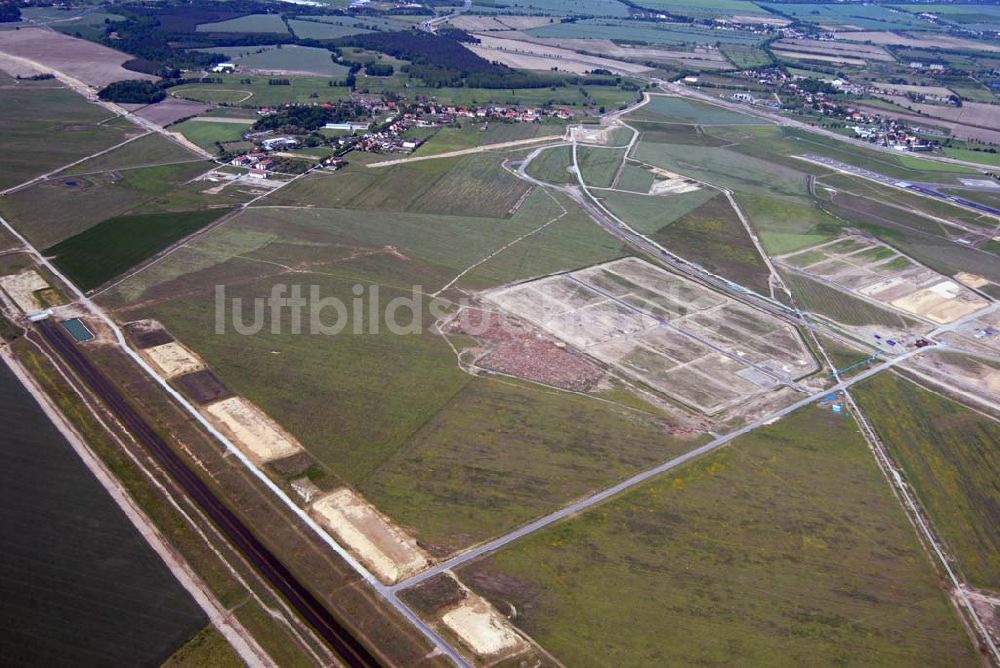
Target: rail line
column 347, row 647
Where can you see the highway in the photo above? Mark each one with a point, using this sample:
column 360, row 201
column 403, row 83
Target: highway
column 347, row 647
column 579, row 506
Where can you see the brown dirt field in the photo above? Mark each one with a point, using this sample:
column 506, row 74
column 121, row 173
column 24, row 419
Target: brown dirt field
column 936, row 42
column 147, row 333
column 510, row 348
column 866, row 51
column 970, row 113
column 91, row 63
column 527, row 55
column 202, row 386
column 171, row 110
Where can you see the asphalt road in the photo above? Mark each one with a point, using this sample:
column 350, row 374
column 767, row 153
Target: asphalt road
column 925, row 189
column 346, row 646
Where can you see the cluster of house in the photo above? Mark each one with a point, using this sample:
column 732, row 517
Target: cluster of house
column 891, row 133
column 259, row 164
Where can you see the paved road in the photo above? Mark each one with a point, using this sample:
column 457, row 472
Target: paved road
column 579, row 506
column 347, row 647
column 925, row 189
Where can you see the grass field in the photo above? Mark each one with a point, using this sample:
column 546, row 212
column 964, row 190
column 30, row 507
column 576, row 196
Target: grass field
column 658, row 34
column 471, row 134
column 598, row 166
column 57, row 209
column 876, row 17
column 839, row 306
column 232, row 91
column 787, row 547
column 498, row 454
column 949, row 455
column 208, row 648
column 981, row 157
column 152, row 149
column 111, row 247
column 553, row 165
column 669, row 109
column 471, row 185
column 35, row 112
column 649, row 214
column 713, row 236
column 306, row 29
column 252, row 23
column 206, row 133
column 286, row 58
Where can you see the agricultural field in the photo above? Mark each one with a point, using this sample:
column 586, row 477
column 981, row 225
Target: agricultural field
column 254, row 23
column 208, row 134
column 787, row 543
column 385, row 432
column 948, row 454
column 61, row 207
column 654, row 34
column 670, row 109
column 151, row 149
column 75, row 572
column 871, row 17
column 283, row 59
column 91, row 63
column 711, row 8
column 259, row 92
column 36, row 111
column 471, row 134
column 560, row 7
column 713, row 236
column 113, row 246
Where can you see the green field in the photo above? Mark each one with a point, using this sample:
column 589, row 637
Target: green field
column 283, row 58
column 113, row 246
column 867, row 16
column 558, row 7
column 323, row 30
column 471, row 185
column 152, row 149
column 258, row 92
column 207, row 134
column 785, row 548
column 704, row 7
column 599, row 166
column 553, row 165
column 477, row 450
column 981, row 157
column 252, row 24
column 208, row 648
column 670, row 109
column 471, row 134
column 648, row 213
column 655, row 33
column 842, row 307
column 949, row 456
column 713, row 236
column 33, row 113
column 382, row 394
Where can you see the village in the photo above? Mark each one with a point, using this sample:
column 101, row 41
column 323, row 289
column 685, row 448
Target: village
column 391, row 127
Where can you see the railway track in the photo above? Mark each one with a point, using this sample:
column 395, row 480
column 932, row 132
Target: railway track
column 348, row 648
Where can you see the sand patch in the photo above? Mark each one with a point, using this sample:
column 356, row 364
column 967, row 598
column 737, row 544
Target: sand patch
column 941, row 303
column 250, row 428
column 482, row 629
column 971, row 280
column 22, row 289
column 388, row 551
column 669, row 183
column 173, row 359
